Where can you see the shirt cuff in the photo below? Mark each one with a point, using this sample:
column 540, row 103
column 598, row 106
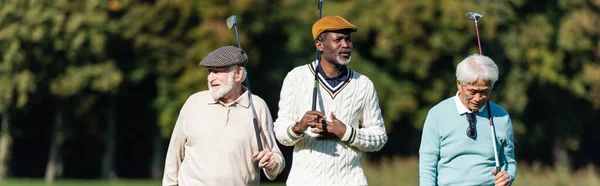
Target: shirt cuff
column 350, row 134
column 292, row 134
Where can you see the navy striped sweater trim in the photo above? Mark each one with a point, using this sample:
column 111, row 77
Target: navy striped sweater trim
column 334, row 85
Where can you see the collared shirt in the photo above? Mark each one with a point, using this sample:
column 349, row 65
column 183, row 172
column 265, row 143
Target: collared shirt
column 447, row 156
column 213, row 142
column 329, row 162
column 334, row 81
column 332, row 85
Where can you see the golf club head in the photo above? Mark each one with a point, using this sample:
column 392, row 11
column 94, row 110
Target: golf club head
column 231, row 21
column 473, row 15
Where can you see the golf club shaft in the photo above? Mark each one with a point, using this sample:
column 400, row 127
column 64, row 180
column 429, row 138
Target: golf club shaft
column 320, row 7
column 316, row 84
column 489, row 108
column 495, row 149
column 254, row 118
column 478, row 41
column 498, row 168
column 238, row 40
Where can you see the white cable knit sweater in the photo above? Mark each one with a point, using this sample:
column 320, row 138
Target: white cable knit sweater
column 327, row 162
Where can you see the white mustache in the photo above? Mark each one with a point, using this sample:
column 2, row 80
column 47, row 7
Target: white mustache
column 348, row 51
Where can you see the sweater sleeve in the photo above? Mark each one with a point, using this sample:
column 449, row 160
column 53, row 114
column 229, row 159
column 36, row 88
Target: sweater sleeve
column 429, row 152
column 285, row 118
column 175, row 152
column 372, row 135
column 266, row 122
column 509, row 152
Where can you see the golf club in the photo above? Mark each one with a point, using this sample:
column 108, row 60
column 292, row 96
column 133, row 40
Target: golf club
column 232, row 23
column 316, row 85
column 475, row 16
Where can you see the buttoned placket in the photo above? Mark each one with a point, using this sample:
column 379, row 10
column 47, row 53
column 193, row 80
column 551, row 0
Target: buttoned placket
column 227, row 115
column 228, row 112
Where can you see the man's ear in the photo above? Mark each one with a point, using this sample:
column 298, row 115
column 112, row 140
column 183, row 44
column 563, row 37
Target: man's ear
column 458, row 85
column 238, row 74
column 319, row 45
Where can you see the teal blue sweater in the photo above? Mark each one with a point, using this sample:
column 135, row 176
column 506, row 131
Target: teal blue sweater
column 447, row 156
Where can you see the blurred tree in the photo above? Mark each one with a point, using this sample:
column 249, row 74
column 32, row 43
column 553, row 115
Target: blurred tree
column 162, row 35
column 90, row 57
column 62, row 43
column 16, row 78
column 410, row 50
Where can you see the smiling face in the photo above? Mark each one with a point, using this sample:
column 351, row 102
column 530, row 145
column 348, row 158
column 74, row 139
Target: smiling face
column 221, row 82
column 336, row 48
column 474, row 95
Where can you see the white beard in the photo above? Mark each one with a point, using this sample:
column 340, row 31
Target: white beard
column 343, row 62
column 224, row 90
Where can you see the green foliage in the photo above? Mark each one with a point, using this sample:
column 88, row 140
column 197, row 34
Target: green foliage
column 85, row 51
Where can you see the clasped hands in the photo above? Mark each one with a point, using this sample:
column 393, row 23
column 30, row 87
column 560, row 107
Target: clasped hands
column 333, row 129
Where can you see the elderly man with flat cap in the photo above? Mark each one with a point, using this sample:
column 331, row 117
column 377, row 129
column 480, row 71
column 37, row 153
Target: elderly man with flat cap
column 328, row 142
column 214, row 142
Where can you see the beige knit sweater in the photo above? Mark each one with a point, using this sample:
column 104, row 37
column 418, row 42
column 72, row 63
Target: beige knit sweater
column 328, row 162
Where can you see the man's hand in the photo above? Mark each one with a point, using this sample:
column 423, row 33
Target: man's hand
column 310, row 119
column 265, row 159
column 501, row 179
column 335, row 128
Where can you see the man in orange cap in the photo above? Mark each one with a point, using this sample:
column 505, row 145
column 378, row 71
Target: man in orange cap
column 328, row 142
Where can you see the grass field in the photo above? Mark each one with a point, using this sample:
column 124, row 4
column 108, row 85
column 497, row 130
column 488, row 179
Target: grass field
column 405, row 171
column 399, row 171
column 40, row 182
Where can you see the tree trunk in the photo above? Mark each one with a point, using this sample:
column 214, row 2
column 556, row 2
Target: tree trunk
column 54, row 166
column 5, row 145
column 157, row 154
column 108, row 164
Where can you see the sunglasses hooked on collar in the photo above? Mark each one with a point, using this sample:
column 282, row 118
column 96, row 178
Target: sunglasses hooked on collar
column 471, row 130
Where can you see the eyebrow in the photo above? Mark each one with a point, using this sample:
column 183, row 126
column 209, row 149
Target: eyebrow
column 216, row 69
column 340, row 35
column 473, row 90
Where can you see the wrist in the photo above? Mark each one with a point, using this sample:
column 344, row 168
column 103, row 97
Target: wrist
column 296, row 129
column 292, row 134
column 349, row 134
column 341, row 131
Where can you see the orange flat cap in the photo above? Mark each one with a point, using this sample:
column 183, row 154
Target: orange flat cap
column 331, row 23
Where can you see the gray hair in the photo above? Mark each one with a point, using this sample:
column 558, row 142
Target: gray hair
column 322, row 36
column 244, row 74
column 476, row 67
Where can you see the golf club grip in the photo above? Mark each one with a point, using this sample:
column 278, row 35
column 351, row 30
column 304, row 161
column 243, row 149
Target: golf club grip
column 498, row 168
column 314, row 98
column 257, row 132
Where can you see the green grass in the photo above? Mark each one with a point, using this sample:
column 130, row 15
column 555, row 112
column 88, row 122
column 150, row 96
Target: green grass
column 405, row 171
column 40, row 182
column 396, row 171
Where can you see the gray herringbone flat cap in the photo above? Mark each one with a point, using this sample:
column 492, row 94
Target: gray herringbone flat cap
column 225, row 56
